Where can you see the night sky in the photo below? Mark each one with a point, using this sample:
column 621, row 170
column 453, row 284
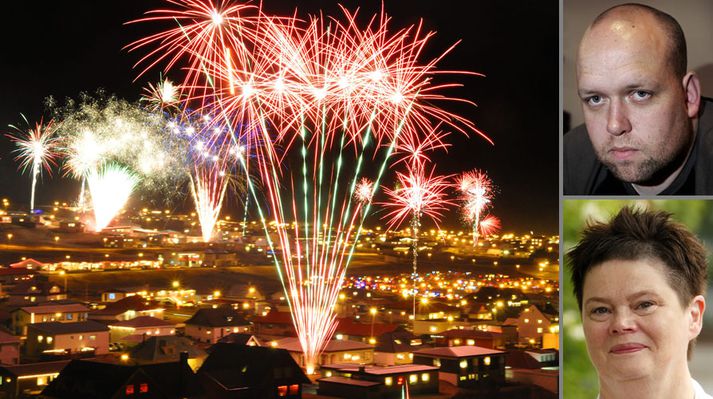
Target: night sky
column 62, row 48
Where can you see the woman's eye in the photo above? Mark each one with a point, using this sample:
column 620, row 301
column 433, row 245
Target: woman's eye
column 645, row 306
column 600, row 310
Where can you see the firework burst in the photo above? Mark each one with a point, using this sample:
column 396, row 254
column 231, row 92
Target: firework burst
column 36, row 150
column 476, row 194
column 110, row 187
column 417, row 195
column 311, row 101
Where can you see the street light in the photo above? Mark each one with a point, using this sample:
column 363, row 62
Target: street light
column 373, row 317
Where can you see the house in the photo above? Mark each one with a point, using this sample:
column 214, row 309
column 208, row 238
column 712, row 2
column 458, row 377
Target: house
column 364, row 332
column 471, row 337
column 53, row 339
column 335, row 351
column 29, row 264
column 357, row 382
column 35, row 291
column 62, row 312
column 84, row 379
column 240, row 339
column 9, row 348
column 167, row 348
column 113, row 295
column 210, row 325
column 10, row 276
column 23, row 380
column 538, row 367
column 127, row 309
column 275, row 323
column 396, row 348
column 139, row 328
column 532, row 324
column 250, row 372
column 465, row 366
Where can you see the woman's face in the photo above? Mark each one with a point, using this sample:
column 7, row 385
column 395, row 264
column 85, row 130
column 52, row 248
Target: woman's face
column 633, row 320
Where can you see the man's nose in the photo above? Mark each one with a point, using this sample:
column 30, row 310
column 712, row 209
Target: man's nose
column 618, row 119
column 622, row 322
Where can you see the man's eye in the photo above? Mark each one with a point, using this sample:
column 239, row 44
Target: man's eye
column 640, row 95
column 593, row 100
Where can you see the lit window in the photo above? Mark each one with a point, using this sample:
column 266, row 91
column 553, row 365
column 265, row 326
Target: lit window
column 41, row 381
column 129, row 389
column 40, row 338
column 328, row 374
column 413, row 378
column 437, row 362
column 144, row 388
column 527, row 320
column 487, row 360
column 347, row 356
column 471, row 342
column 388, row 381
column 49, row 340
column 463, row 364
column 294, row 389
column 282, row 391
column 425, row 377
column 539, row 330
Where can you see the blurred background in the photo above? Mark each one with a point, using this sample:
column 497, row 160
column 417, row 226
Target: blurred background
column 580, row 378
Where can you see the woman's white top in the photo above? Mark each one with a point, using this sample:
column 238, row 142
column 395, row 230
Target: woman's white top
column 700, row 393
column 697, row 389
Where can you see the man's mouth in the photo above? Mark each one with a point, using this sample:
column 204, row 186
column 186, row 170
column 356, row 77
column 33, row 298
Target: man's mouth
column 623, row 153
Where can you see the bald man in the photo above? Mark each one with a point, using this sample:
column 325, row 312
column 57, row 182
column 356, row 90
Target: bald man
column 647, row 130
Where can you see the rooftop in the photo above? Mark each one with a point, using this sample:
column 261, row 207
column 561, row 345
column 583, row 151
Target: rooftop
column 57, row 328
column 458, row 351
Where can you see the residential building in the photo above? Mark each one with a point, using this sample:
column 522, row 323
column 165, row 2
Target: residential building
column 9, row 348
column 29, row 379
column 335, row 351
column 139, row 329
column 250, row 372
column 167, row 348
column 99, row 380
column 366, row 382
column 126, row 309
column 210, row 325
column 46, row 312
column 465, row 366
column 54, row 339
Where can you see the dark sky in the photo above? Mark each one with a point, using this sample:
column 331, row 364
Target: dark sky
column 61, row 48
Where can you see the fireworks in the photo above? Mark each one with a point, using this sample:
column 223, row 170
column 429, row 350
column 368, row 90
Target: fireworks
column 364, row 190
column 311, row 101
column 208, row 165
column 101, row 131
column 36, row 150
column 110, row 188
column 417, row 195
column 477, row 193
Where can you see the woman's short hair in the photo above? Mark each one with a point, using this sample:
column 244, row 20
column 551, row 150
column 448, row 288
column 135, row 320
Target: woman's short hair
column 635, row 234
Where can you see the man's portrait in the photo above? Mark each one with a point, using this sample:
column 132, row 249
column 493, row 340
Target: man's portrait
column 642, row 125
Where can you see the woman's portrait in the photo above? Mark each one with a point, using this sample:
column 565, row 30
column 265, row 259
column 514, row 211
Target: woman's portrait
column 638, row 279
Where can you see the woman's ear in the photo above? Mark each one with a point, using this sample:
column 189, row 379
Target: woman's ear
column 695, row 313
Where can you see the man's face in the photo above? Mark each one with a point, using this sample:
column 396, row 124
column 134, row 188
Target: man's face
column 634, row 105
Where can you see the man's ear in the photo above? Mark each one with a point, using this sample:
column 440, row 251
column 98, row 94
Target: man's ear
column 695, row 312
column 692, row 90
